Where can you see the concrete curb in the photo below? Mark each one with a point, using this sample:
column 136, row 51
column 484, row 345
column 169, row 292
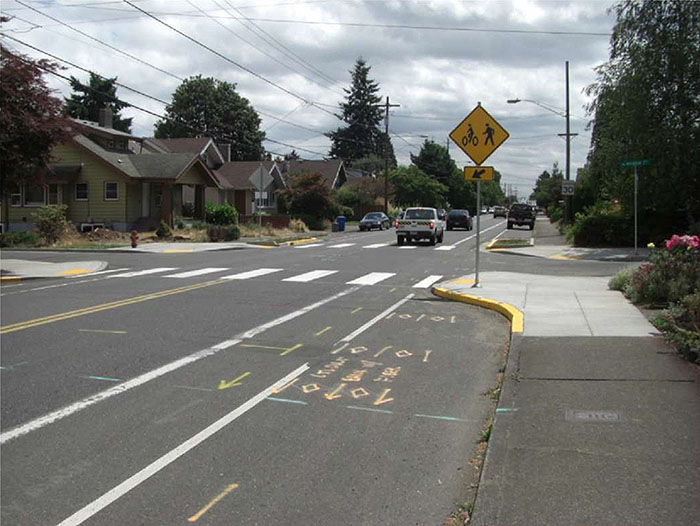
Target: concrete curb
column 514, row 315
column 298, row 241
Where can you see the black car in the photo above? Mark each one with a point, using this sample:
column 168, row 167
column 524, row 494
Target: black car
column 375, row 220
column 459, row 219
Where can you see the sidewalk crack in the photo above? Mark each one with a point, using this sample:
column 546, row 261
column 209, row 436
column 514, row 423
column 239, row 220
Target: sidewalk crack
column 584, row 313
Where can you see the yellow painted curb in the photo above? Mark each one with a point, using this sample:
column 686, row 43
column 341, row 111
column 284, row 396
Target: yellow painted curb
column 3, row 279
column 564, row 256
column 74, row 271
column 300, row 241
column 516, row 317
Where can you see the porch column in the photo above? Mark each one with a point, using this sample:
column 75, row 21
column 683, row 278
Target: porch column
column 166, row 208
column 199, row 202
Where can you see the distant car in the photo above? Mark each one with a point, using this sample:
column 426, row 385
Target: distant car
column 442, row 214
column 499, row 211
column 377, row 220
column 459, row 219
column 521, row 214
column 399, row 216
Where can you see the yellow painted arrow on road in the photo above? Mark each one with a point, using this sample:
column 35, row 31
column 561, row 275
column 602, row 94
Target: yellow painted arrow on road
column 223, row 384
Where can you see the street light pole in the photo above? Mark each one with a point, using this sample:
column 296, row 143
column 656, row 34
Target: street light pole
column 567, row 210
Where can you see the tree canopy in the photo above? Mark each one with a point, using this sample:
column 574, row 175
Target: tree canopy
column 547, row 190
column 206, row 107
column 413, row 187
column 647, row 106
column 363, row 113
column 31, row 121
column 89, row 99
column 308, row 194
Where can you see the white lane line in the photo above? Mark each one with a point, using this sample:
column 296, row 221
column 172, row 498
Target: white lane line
column 408, row 248
column 97, row 273
column 59, row 414
column 376, row 245
column 374, row 320
column 446, row 247
column 342, row 245
column 372, row 278
column 309, row 245
column 143, row 272
column 171, row 456
column 482, row 231
column 198, row 272
column 252, row 273
column 67, row 283
column 310, row 276
column 425, row 283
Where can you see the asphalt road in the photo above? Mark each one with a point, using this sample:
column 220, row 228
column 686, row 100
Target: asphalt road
column 312, row 385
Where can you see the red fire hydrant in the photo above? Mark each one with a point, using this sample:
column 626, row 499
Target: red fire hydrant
column 134, row 239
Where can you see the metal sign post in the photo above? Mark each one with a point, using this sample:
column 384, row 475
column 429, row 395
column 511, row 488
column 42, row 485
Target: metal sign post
column 635, row 164
column 478, row 230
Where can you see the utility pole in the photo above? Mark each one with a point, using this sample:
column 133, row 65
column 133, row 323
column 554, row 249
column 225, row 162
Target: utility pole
column 386, row 154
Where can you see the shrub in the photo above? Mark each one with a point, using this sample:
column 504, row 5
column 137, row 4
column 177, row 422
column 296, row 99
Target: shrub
column 199, row 225
column 51, row 223
column 217, row 233
column 179, row 223
column 164, row 231
column 14, row 239
column 622, row 280
column 188, row 209
column 601, row 225
column 313, row 223
column 225, row 214
column 297, row 225
column 555, row 213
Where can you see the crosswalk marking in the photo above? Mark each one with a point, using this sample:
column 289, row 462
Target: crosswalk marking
column 342, row 245
column 407, row 248
column 376, row 245
column 446, row 247
column 310, row 276
column 371, row 279
column 425, row 283
column 309, row 246
column 252, row 273
column 198, row 272
column 98, row 273
column 143, row 272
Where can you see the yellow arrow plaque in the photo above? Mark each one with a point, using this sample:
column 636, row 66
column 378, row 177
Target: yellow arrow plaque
column 478, row 173
column 478, row 135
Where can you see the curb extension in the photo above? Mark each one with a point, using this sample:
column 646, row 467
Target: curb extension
column 298, row 241
column 4, row 279
column 516, row 317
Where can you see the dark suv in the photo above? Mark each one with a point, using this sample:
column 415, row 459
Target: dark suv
column 521, row 214
column 459, row 219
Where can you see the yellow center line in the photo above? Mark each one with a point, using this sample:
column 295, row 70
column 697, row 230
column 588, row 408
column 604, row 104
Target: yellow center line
column 216, row 499
column 358, row 309
column 323, row 330
column 105, row 306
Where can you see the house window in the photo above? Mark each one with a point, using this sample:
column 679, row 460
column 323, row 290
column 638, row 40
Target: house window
column 53, row 194
column 111, row 191
column 81, row 191
column 261, row 201
column 16, row 195
column 34, row 195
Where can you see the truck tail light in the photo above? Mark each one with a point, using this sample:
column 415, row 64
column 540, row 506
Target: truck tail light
column 396, row 223
column 432, row 224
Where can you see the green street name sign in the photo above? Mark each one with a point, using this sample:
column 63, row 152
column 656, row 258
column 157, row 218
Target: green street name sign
column 639, row 162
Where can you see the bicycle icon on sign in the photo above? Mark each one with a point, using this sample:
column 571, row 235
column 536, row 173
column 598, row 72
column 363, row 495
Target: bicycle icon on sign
column 470, row 138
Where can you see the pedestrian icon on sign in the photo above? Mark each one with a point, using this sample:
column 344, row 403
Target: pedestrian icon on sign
column 489, row 134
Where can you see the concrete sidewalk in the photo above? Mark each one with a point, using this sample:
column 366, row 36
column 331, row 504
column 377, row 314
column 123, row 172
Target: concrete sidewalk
column 598, row 418
column 17, row 269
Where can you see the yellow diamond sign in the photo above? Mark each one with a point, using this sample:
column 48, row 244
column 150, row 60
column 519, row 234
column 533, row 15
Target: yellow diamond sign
column 479, row 135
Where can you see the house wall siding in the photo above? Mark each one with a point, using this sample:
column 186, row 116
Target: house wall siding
column 133, row 202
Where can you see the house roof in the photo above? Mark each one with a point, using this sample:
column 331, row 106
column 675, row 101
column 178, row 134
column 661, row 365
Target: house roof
column 163, row 166
column 329, row 168
column 236, row 174
column 186, row 145
column 94, row 126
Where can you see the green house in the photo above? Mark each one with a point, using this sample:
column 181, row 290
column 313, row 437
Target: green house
column 107, row 178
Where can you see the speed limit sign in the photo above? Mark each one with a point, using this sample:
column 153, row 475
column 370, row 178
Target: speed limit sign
column 567, row 188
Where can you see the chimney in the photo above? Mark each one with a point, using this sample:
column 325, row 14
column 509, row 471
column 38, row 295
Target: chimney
column 105, row 117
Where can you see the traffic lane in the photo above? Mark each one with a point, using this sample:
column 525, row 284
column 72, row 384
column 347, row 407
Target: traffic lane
column 333, row 455
column 66, row 462
column 51, row 365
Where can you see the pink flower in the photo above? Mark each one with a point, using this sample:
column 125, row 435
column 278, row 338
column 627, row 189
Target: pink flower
column 691, row 241
column 673, row 242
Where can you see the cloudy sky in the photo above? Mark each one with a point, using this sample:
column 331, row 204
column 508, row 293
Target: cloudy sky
column 435, row 58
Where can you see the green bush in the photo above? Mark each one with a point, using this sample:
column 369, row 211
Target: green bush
column 601, row 225
column 51, row 223
column 297, row 225
column 16, row 239
column 555, row 213
column 225, row 214
column 622, row 280
column 313, row 223
column 217, row 233
column 179, row 223
column 164, row 231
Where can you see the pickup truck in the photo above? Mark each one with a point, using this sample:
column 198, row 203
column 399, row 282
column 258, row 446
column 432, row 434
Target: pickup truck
column 419, row 223
column 521, row 214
